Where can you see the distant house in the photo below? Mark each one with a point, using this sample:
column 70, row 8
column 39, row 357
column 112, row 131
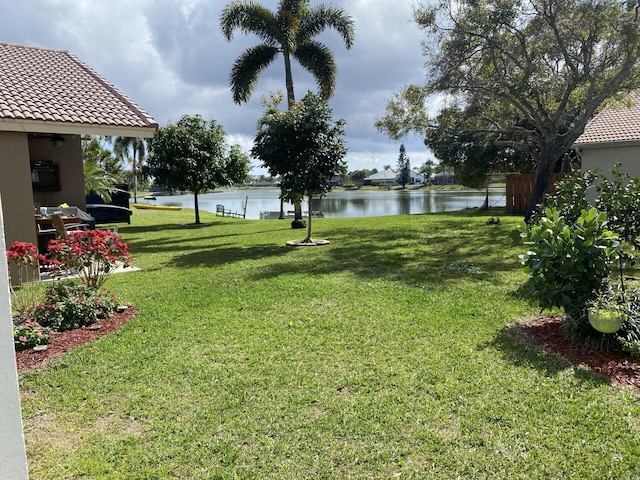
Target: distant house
column 613, row 136
column 48, row 100
column 385, row 177
column 417, row 178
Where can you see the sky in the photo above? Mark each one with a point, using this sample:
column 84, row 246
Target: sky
column 170, row 58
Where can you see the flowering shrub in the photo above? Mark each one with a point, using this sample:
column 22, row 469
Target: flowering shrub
column 25, row 296
column 28, row 334
column 26, row 258
column 91, row 254
column 71, row 305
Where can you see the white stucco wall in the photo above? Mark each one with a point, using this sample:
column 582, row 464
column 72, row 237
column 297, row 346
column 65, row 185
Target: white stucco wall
column 13, row 458
column 604, row 157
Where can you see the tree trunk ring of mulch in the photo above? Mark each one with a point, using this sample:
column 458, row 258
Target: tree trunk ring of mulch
column 60, row 342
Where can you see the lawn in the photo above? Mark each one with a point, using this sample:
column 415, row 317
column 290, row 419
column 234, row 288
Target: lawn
column 389, row 353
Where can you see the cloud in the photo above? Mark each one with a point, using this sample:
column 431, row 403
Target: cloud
column 171, row 59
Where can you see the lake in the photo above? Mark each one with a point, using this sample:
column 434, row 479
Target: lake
column 342, row 203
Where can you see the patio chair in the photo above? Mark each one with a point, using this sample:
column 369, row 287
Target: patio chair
column 63, row 229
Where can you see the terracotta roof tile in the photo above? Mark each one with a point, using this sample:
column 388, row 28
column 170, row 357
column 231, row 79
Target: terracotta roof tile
column 618, row 122
column 42, row 84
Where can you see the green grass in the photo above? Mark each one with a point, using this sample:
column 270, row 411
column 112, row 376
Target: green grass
column 389, row 353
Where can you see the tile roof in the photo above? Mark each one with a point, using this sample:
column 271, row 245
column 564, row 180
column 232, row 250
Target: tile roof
column 616, row 123
column 53, row 86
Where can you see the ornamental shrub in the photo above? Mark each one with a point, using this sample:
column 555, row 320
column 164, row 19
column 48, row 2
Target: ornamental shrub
column 91, row 254
column 26, row 295
column 620, row 199
column 570, row 198
column 28, row 334
column 568, row 263
column 69, row 305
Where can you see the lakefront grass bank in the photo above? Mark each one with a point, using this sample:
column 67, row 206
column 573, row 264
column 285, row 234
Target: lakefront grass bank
column 386, row 354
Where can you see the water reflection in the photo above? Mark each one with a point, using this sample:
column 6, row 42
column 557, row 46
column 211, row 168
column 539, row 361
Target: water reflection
column 347, row 203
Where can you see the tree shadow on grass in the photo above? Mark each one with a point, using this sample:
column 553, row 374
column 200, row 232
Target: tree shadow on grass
column 199, row 238
column 423, row 253
column 226, row 254
column 418, row 255
column 519, row 348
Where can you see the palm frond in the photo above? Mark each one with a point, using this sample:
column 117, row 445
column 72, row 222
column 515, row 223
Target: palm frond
column 249, row 17
column 318, row 59
column 322, row 17
column 97, row 180
column 247, row 68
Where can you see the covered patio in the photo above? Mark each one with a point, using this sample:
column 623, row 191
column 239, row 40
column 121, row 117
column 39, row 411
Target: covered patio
column 49, row 100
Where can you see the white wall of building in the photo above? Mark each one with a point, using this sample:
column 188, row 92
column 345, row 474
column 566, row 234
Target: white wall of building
column 13, row 458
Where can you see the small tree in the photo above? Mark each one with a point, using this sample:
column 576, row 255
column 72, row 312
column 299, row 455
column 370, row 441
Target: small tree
column 192, row 155
column 404, row 167
column 303, row 146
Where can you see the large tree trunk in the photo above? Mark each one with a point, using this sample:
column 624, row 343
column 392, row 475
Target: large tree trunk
column 544, row 172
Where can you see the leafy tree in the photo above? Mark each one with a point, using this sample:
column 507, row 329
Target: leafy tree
column 528, row 75
column 192, row 155
column 473, row 154
column 303, row 146
column 137, row 147
column 358, row 176
column 427, row 168
column 404, row 168
column 289, row 31
column 406, row 113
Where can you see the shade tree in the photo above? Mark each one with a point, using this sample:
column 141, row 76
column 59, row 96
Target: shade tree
column 526, row 75
column 193, row 155
column 302, row 145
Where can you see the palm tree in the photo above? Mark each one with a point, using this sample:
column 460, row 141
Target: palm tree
column 98, row 180
column 289, row 31
column 137, row 145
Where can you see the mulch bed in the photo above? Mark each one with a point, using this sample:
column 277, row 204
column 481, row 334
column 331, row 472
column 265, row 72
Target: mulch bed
column 60, row 342
column 618, row 366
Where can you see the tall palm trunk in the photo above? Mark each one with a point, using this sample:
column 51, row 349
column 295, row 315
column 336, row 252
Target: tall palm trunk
column 134, row 167
column 297, row 205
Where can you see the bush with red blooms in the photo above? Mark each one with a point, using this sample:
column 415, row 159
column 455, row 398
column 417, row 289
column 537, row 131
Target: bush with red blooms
column 92, row 255
column 26, row 257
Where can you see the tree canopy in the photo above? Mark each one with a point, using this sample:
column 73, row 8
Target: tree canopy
column 192, row 155
column 526, row 75
column 303, row 146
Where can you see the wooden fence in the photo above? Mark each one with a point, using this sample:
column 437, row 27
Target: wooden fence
column 519, row 189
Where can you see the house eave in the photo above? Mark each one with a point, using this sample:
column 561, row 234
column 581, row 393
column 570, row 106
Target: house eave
column 617, row 143
column 68, row 128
